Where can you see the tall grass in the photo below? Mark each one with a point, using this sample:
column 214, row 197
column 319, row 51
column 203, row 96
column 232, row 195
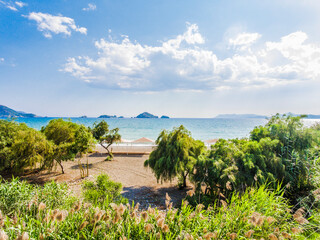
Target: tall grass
column 51, row 212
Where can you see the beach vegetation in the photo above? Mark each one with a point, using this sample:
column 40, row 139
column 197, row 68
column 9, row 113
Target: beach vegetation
column 103, row 191
column 69, row 139
column 104, row 135
column 22, row 147
column 50, row 212
column 283, row 152
column 175, row 155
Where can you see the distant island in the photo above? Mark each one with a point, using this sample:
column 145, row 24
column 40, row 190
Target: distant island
column 242, row 116
column 309, row 116
column 146, row 115
column 6, row 112
column 108, row 116
column 235, row 116
column 164, row 116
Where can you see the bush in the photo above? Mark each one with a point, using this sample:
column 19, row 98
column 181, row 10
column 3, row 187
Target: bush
column 281, row 152
column 103, row 191
column 175, row 156
column 255, row 214
column 15, row 195
column 69, row 139
column 22, row 147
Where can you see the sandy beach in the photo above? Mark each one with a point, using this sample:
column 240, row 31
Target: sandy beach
column 139, row 183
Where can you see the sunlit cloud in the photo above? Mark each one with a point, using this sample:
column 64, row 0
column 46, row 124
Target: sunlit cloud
column 50, row 24
column 184, row 63
column 91, row 7
column 14, row 6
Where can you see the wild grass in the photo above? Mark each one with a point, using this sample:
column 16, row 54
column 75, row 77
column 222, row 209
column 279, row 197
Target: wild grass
column 51, row 212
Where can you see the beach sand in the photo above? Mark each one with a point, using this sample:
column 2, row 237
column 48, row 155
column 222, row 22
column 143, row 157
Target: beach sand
column 139, row 183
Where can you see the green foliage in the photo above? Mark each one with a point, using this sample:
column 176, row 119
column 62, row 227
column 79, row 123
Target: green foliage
column 103, row 191
column 69, row 139
column 176, row 154
column 103, row 134
column 259, row 212
column 15, row 195
column 281, row 152
column 19, row 196
column 22, row 147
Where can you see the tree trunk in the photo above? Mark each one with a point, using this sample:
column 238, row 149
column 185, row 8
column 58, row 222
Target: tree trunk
column 106, row 148
column 185, row 181
column 59, row 162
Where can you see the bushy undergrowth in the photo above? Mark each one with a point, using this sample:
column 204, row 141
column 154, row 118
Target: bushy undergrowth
column 19, row 196
column 103, row 191
column 50, row 212
column 281, row 152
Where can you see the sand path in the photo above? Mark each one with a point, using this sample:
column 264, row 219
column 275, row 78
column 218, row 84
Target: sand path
column 139, row 183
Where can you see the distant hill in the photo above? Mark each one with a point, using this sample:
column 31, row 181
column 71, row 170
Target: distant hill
column 164, row 116
column 240, row 116
column 146, row 115
column 6, row 112
column 312, row 116
column 309, row 116
column 107, row 116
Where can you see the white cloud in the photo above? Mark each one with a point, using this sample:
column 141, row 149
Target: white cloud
column 20, row 4
column 49, row 24
column 244, row 40
column 183, row 63
column 91, row 7
column 1, row 60
column 13, row 5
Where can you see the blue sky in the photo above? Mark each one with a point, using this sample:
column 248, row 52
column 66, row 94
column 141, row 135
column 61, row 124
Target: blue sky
column 179, row 58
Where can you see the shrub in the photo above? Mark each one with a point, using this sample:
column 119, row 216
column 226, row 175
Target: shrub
column 175, row 156
column 259, row 212
column 19, row 196
column 281, row 152
column 22, row 147
column 69, row 139
column 15, row 195
column 103, row 191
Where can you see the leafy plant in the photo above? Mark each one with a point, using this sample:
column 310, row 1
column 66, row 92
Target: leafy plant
column 22, row 147
column 176, row 154
column 69, row 139
column 103, row 134
column 102, row 191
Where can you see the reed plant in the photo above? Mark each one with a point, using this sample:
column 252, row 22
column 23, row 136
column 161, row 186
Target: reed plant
column 51, row 212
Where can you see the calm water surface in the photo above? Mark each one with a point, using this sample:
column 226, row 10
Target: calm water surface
column 202, row 129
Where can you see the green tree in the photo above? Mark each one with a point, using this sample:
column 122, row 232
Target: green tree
column 279, row 152
column 22, row 147
column 104, row 135
column 176, row 154
column 69, row 139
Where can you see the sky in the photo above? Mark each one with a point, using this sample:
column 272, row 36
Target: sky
column 182, row 58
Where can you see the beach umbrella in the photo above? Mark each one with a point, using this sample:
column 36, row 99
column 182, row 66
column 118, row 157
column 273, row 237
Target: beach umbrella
column 211, row 141
column 144, row 140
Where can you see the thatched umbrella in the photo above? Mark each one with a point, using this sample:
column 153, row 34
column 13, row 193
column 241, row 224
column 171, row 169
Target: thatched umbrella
column 211, row 141
column 143, row 140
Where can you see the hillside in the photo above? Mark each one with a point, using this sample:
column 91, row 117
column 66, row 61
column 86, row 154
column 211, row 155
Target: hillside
column 107, row 116
column 6, row 112
column 146, row 115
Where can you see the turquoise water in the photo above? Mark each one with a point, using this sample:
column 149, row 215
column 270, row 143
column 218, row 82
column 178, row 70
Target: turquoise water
column 133, row 128
column 201, row 128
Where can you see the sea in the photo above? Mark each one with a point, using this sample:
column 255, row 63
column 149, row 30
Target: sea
column 200, row 128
